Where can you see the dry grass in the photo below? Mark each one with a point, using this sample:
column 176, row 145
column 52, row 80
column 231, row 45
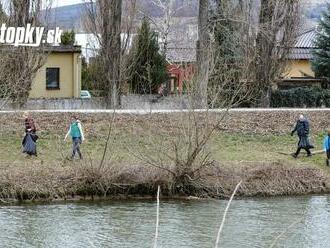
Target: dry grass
column 82, row 180
column 268, row 179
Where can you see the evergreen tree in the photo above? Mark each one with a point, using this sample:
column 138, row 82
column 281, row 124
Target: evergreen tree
column 147, row 67
column 68, row 38
column 321, row 61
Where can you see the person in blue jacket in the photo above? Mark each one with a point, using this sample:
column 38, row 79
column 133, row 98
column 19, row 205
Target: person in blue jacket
column 326, row 147
column 77, row 135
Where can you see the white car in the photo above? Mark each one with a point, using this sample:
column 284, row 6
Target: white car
column 84, row 94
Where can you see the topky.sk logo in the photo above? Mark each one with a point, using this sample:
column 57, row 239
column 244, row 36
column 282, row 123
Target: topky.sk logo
column 29, row 36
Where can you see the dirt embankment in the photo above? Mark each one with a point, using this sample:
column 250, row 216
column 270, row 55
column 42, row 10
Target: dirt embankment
column 81, row 181
column 32, row 181
column 274, row 122
column 259, row 122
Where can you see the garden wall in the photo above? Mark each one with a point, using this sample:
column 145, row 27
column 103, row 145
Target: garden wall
column 145, row 102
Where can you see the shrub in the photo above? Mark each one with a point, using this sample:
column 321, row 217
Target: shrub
column 68, row 38
column 301, row 97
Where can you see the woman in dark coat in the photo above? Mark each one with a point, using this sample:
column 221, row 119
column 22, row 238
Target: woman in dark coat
column 30, row 138
column 302, row 129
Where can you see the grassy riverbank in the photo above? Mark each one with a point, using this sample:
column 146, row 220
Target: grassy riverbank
column 224, row 147
column 252, row 155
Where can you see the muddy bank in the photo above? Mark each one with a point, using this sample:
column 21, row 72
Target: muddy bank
column 135, row 181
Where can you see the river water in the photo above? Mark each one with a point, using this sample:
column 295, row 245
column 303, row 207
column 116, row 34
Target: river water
column 284, row 222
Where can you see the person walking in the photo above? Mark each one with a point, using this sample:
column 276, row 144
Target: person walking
column 29, row 141
column 77, row 135
column 326, row 146
column 302, row 129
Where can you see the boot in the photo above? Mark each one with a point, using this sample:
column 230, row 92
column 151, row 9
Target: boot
column 80, row 155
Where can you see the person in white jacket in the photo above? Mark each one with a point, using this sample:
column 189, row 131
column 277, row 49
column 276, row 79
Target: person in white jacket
column 77, row 135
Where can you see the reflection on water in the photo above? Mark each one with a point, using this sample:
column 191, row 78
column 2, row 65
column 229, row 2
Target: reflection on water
column 250, row 223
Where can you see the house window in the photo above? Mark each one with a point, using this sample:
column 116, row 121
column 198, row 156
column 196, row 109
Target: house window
column 52, row 78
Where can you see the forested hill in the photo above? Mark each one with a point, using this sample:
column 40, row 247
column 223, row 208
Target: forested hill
column 70, row 17
column 315, row 10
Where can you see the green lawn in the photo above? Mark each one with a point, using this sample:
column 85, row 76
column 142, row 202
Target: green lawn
column 223, row 146
column 239, row 147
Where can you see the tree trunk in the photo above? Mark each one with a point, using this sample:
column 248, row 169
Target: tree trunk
column 265, row 44
column 106, row 23
column 114, row 53
column 202, row 55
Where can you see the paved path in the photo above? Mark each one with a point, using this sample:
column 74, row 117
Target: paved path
column 155, row 111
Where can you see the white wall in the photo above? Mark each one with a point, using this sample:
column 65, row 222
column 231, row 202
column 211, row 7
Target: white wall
column 89, row 44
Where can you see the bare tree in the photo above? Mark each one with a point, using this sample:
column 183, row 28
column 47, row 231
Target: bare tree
column 181, row 146
column 104, row 21
column 113, row 33
column 129, row 30
column 166, row 21
column 128, row 21
column 234, row 51
column 273, row 33
column 277, row 29
column 19, row 65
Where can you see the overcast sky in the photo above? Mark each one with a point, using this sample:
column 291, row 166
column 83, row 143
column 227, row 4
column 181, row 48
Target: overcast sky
column 56, row 3
column 66, row 2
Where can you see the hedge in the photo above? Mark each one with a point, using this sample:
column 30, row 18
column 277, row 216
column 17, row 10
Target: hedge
column 304, row 97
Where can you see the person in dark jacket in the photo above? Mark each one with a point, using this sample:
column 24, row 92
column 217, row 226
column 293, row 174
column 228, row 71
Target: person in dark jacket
column 30, row 138
column 302, row 129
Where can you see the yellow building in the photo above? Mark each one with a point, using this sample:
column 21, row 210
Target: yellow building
column 299, row 68
column 60, row 76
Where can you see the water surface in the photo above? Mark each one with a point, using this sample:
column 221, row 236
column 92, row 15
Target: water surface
column 293, row 222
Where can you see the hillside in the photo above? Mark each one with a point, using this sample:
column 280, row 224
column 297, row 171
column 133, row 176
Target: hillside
column 71, row 16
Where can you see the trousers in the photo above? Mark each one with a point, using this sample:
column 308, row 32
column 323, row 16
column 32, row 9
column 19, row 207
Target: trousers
column 76, row 147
